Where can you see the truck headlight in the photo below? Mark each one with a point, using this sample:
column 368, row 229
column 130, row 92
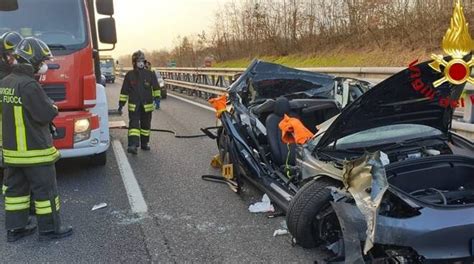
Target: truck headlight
column 82, row 130
column 82, row 125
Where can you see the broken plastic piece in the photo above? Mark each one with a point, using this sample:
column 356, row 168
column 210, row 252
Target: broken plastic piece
column 280, row 232
column 262, row 207
column 99, row 206
column 384, row 158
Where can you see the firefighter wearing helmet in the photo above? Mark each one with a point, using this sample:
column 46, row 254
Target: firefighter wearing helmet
column 140, row 88
column 28, row 151
column 8, row 42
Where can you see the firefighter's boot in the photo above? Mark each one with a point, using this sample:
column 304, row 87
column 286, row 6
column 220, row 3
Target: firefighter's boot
column 61, row 232
column 132, row 150
column 146, row 147
column 16, row 234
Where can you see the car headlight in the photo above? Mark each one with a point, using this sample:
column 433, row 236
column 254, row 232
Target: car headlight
column 82, row 125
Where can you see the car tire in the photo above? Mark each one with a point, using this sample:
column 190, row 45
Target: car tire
column 99, row 159
column 303, row 208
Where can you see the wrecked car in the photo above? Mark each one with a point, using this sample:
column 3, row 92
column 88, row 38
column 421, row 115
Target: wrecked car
column 386, row 170
column 384, row 180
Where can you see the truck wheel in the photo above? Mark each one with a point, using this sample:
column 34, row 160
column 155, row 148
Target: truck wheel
column 99, row 159
column 304, row 207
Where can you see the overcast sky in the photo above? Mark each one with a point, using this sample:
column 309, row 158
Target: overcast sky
column 155, row 24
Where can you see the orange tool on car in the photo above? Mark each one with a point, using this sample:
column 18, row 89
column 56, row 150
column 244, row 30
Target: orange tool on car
column 293, row 131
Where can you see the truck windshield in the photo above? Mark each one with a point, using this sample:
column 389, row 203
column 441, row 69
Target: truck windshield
column 59, row 23
column 106, row 66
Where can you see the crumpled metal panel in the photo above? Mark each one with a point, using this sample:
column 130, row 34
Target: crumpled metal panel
column 270, row 80
column 366, row 181
column 350, row 231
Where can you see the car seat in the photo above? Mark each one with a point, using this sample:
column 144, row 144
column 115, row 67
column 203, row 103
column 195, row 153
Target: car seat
column 280, row 151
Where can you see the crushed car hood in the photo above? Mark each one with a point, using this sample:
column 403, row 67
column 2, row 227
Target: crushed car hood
column 264, row 80
column 395, row 101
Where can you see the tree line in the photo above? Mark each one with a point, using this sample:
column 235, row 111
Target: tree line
column 251, row 28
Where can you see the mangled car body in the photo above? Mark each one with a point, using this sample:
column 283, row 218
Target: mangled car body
column 411, row 200
column 384, row 179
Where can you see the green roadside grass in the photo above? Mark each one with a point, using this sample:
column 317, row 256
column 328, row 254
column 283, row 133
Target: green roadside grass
column 335, row 59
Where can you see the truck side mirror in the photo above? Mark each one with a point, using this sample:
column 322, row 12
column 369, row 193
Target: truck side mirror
column 105, row 7
column 8, row 5
column 107, row 31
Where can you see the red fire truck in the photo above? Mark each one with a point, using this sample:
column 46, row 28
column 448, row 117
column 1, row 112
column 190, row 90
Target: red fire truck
column 69, row 28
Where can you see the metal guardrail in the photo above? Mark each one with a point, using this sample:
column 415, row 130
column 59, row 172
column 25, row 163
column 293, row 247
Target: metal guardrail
column 204, row 82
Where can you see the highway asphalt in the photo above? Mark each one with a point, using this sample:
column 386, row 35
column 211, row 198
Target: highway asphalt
column 188, row 220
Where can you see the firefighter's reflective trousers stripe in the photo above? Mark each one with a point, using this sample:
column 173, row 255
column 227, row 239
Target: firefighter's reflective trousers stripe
column 41, row 182
column 139, row 125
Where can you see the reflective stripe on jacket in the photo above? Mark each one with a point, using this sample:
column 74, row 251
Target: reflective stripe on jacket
column 139, row 89
column 27, row 112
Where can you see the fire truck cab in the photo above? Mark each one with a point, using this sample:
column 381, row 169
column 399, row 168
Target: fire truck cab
column 69, row 28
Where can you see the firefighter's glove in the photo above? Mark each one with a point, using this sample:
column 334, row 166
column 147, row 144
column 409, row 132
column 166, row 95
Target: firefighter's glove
column 120, row 109
column 53, row 130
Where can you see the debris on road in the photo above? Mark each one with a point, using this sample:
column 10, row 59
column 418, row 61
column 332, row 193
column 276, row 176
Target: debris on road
column 262, row 207
column 99, row 206
column 280, row 232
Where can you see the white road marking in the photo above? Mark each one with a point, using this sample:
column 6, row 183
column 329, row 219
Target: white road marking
column 191, row 102
column 134, row 193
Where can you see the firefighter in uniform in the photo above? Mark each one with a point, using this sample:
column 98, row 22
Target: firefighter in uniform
column 139, row 88
column 8, row 43
column 28, row 151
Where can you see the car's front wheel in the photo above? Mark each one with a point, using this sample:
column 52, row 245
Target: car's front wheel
column 303, row 217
